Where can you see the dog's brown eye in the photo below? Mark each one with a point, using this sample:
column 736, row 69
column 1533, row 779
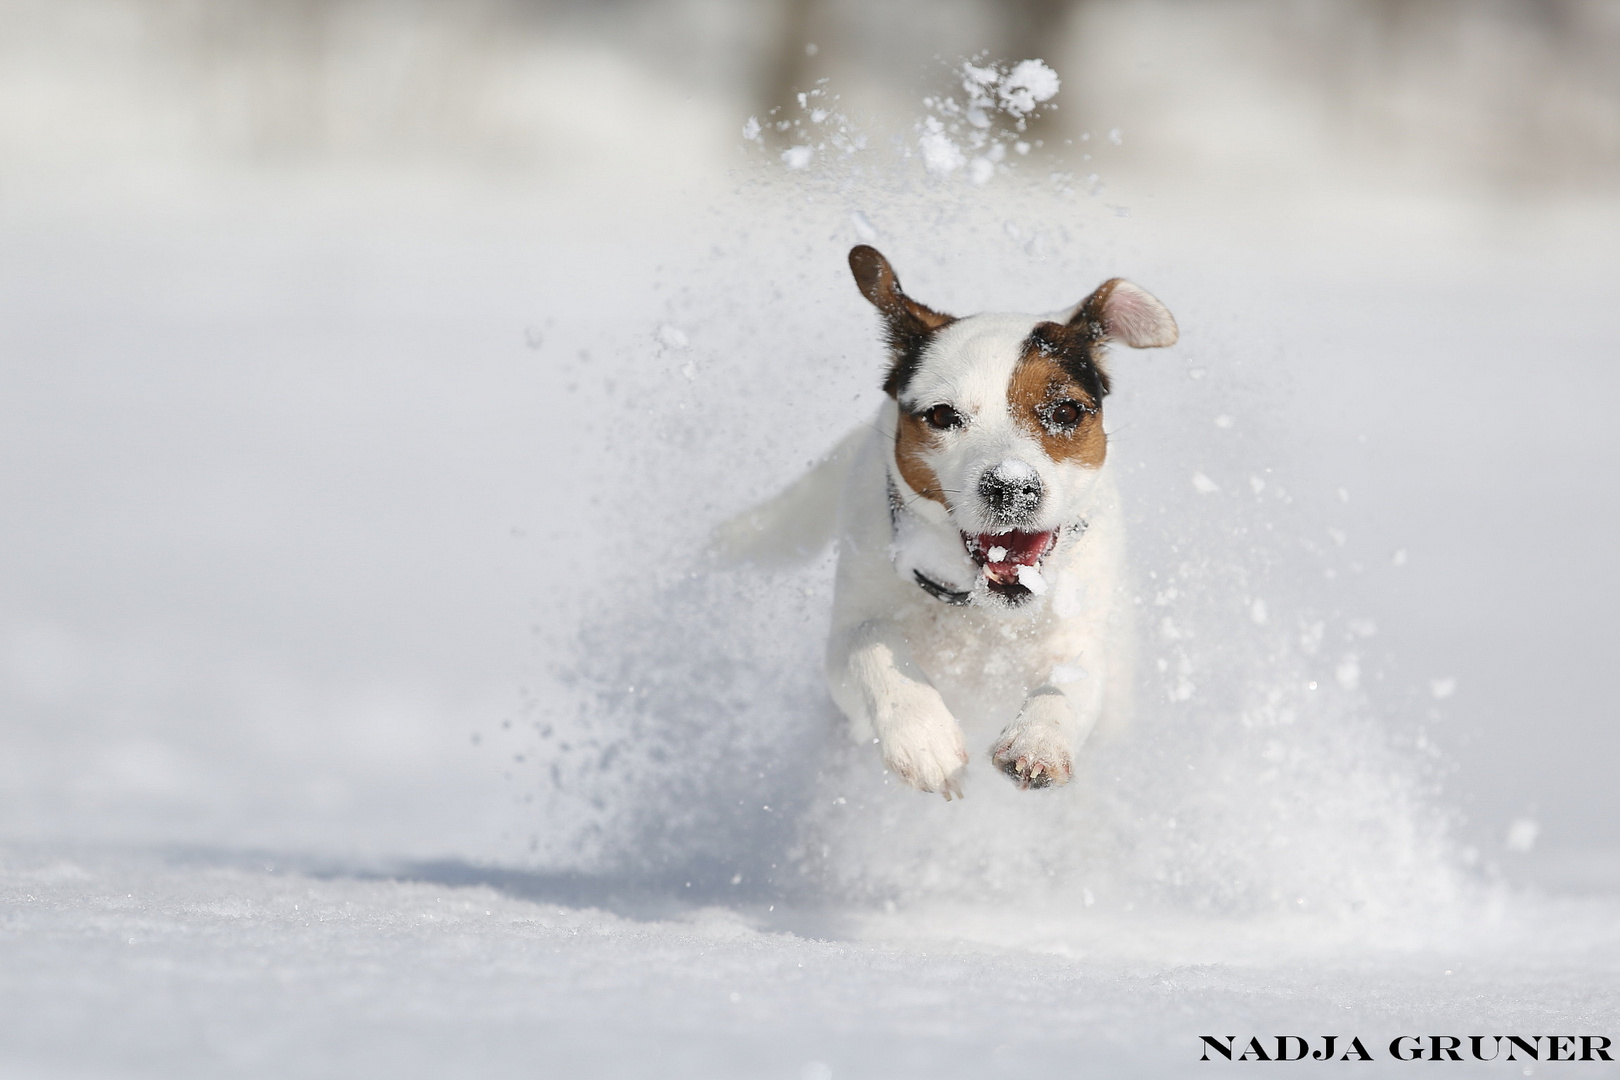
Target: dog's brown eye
column 1066, row 414
column 941, row 417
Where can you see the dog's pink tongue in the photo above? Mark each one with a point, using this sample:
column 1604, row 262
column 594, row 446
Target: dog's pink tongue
column 1001, row 554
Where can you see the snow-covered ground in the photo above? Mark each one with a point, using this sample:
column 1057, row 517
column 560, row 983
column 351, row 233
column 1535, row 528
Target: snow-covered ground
column 369, row 710
column 202, row 962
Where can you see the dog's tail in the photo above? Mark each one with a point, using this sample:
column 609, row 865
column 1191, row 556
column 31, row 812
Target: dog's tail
column 797, row 524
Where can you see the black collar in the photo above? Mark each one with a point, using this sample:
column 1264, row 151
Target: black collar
column 938, row 591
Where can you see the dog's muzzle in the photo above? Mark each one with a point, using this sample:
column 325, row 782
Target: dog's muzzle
column 1011, row 561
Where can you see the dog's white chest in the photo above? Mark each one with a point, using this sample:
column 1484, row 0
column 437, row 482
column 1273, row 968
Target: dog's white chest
column 984, row 665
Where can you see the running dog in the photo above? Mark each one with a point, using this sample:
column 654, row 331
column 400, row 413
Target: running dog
column 980, row 537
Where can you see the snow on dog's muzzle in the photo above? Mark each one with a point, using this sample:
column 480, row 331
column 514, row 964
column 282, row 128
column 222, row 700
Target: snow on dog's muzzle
column 1011, row 561
column 1012, row 491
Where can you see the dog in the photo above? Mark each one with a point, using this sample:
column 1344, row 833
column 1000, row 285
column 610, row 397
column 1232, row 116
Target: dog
column 981, row 579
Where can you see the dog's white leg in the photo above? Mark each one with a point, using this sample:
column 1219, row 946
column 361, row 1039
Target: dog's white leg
column 887, row 697
column 1037, row 749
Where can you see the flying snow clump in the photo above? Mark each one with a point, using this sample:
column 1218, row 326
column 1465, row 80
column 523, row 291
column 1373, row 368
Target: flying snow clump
column 1028, row 84
column 940, row 154
column 1521, row 834
column 973, row 133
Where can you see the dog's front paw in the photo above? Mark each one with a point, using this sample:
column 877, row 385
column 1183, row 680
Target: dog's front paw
column 1033, row 756
column 928, row 756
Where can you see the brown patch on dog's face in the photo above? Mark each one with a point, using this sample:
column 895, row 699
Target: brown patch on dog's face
column 1056, row 394
column 913, row 439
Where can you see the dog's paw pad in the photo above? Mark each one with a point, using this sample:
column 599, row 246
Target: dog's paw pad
column 1033, row 760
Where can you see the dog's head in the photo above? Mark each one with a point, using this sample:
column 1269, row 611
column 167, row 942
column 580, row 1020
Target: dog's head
column 1000, row 416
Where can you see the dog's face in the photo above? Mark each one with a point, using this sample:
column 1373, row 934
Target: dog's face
column 1000, row 416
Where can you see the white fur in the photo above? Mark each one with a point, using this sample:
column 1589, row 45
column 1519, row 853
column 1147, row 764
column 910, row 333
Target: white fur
column 1027, row 681
column 926, row 679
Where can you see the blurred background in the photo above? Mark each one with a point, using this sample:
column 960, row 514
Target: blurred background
column 1511, row 99
column 284, row 285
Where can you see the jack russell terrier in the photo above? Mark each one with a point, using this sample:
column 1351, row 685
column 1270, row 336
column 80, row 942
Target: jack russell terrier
column 980, row 539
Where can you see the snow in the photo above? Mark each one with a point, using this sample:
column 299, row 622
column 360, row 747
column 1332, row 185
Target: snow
column 974, row 134
column 1030, row 578
column 319, row 761
column 1028, row 84
column 798, row 157
column 940, row 154
column 1521, row 835
column 188, row 962
column 1064, row 674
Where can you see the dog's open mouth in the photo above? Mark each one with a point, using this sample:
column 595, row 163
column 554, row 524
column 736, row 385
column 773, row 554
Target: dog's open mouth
column 1011, row 561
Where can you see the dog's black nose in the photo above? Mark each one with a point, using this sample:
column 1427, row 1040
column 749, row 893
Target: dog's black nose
column 1012, row 489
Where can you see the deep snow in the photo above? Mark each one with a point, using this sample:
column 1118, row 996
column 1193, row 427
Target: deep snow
column 369, row 709
column 194, row 962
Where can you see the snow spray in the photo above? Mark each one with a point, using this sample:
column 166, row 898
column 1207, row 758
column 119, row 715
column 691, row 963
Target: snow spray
column 686, row 738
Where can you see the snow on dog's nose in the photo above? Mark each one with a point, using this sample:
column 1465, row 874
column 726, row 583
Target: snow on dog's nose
column 1012, row 490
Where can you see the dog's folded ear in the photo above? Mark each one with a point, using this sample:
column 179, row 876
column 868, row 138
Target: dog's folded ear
column 1120, row 311
column 908, row 324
